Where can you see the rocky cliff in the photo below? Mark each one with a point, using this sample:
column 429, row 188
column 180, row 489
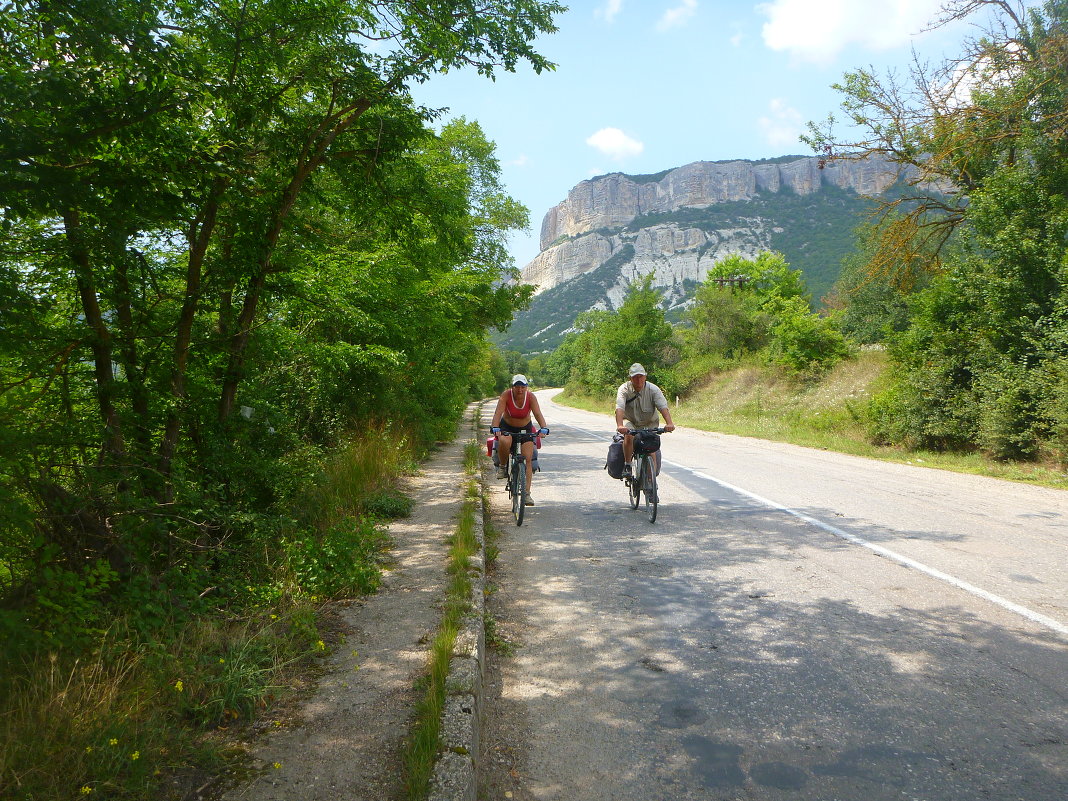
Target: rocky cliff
column 603, row 214
column 614, row 229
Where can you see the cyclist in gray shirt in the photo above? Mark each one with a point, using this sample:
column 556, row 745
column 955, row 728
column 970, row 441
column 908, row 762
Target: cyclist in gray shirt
column 639, row 404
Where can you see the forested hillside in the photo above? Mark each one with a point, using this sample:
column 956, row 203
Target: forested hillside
column 815, row 233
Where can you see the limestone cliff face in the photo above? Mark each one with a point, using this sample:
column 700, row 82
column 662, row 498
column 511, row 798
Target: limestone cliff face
column 673, row 254
column 573, row 241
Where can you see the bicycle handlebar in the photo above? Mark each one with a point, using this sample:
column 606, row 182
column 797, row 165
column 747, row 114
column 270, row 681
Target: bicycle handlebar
column 523, row 436
column 541, row 432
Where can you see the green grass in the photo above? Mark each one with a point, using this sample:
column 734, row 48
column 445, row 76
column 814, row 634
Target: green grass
column 361, row 476
column 754, row 400
column 111, row 723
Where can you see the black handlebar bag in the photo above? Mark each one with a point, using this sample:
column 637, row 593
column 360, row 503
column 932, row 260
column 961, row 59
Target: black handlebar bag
column 646, row 442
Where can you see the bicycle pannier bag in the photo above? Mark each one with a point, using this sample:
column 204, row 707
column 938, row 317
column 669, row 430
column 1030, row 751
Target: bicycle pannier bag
column 614, row 465
column 646, row 442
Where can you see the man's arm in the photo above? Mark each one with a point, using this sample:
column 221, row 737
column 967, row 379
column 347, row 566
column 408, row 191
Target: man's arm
column 666, row 414
column 664, row 409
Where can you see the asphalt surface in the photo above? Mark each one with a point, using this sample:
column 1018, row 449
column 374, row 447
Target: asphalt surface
column 797, row 624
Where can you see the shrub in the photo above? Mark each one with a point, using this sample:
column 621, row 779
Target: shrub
column 1009, row 426
column 388, row 504
column 804, row 341
column 339, row 561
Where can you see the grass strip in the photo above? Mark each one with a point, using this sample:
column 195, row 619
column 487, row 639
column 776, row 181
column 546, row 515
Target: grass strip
column 463, row 544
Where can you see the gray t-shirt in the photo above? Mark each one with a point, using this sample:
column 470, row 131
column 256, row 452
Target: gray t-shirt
column 643, row 411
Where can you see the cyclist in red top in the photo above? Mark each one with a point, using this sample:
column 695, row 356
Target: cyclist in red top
column 512, row 415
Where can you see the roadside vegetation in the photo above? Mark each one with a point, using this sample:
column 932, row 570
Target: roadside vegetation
column 832, row 413
column 245, row 285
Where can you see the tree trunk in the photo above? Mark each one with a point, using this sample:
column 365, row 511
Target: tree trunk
column 313, row 156
column 127, row 352
column 100, row 341
column 199, row 236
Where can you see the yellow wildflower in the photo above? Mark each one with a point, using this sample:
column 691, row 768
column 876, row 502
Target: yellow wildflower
column 179, row 686
column 113, row 741
column 86, row 789
column 277, row 765
column 135, row 755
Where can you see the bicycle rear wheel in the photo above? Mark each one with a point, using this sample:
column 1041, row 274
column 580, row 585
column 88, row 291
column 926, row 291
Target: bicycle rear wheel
column 520, row 487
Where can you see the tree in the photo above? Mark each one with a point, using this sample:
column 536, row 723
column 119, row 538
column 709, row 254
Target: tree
column 172, row 174
column 761, row 305
column 982, row 362
column 950, row 125
column 595, row 358
column 872, row 306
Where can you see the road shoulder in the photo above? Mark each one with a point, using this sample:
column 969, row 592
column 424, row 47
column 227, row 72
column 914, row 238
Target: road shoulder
column 345, row 739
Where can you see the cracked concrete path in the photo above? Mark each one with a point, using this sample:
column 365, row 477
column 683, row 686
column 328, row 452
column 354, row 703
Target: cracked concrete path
column 345, row 740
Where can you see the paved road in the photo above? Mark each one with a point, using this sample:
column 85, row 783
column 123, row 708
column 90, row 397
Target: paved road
column 797, row 624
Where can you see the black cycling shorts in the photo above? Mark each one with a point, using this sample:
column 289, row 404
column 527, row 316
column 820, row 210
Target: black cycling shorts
column 510, row 429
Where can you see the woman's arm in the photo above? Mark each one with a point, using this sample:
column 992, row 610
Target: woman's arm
column 535, row 409
column 498, row 413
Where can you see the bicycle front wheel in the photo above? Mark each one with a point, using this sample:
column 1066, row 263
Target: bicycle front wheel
column 520, row 489
column 634, row 484
column 651, row 498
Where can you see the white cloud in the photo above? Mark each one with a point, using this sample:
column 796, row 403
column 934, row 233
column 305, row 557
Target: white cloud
column 737, row 39
column 678, row 15
column 520, row 161
column 615, row 144
column 783, row 124
column 979, row 75
column 609, row 10
column 818, row 32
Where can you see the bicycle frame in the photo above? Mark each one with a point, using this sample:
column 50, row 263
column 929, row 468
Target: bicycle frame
column 517, row 473
column 643, row 479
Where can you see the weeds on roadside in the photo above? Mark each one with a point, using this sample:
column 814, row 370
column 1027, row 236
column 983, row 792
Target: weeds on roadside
column 472, row 454
column 111, row 708
column 423, row 743
column 113, row 722
column 496, row 640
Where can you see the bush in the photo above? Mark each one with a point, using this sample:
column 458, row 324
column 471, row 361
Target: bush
column 388, row 504
column 804, row 341
column 1056, row 409
column 339, row 561
column 1009, row 426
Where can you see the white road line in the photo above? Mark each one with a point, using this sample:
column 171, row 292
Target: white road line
column 1004, row 603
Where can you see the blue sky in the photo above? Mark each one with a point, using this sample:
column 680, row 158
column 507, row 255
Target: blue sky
column 646, row 85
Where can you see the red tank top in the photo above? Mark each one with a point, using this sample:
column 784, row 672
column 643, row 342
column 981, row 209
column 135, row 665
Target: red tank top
column 520, row 412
